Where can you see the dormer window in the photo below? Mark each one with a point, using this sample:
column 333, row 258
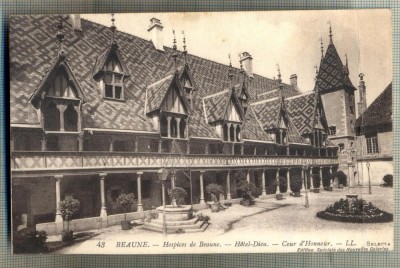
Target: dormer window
column 319, row 138
column 61, row 105
column 110, row 71
column 231, row 132
column 281, row 136
column 113, row 79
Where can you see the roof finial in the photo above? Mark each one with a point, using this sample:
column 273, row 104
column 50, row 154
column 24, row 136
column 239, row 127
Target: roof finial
column 230, row 72
column 184, row 46
column 60, row 36
column 279, row 73
column 174, row 53
column 330, row 32
column 322, row 48
column 361, row 75
column 347, row 60
column 241, row 65
column 316, row 72
column 113, row 28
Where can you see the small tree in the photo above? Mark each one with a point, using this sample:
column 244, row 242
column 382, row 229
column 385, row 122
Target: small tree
column 283, row 187
column 249, row 191
column 178, row 194
column 214, row 190
column 296, row 183
column 68, row 209
column 125, row 200
column 316, row 180
column 388, row 179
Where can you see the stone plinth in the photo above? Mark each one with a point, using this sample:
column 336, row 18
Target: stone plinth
column 181, row 213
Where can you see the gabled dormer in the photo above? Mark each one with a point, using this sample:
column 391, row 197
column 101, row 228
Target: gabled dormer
column 168, row 106
column 110, row 72
column 187, row 82
column 59, row 98
column 224, row 112
column 320, row 126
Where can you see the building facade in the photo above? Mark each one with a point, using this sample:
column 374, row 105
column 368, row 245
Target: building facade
column 96, row 112
column 375, row 138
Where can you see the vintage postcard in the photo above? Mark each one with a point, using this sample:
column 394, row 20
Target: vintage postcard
column 233, row 132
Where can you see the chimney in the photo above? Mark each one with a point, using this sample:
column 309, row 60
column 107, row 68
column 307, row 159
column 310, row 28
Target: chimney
column 75, row 20
column 362, row 104
column 246, row 61
column 293, row 80
column 155, row 30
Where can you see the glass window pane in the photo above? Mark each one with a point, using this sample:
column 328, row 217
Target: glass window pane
column 109, row 91
column 118, row 91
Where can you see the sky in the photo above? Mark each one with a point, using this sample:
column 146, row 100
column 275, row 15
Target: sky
column 288, row 38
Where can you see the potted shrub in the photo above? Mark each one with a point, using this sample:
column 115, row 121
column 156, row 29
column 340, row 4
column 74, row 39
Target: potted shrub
column 178, row 196
column 282, row 187
column 327, row 182
column 295, row 185
column 68, row 209
column 388, row 180
column 341, row 177
column 125, row 200
column 316, row 182
column 214, row 190
column 249, row 191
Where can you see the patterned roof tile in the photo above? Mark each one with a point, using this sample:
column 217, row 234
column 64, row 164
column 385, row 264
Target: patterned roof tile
column 33, row 49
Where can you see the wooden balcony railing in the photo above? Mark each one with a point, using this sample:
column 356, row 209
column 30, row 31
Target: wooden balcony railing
column 50, row 161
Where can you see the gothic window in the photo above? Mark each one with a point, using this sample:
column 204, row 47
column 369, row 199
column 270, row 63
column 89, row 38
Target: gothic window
column 231, row 132
column 113, row 79
column 51, row 117
column 372, row 143
column 164, row 126
column 70, row 119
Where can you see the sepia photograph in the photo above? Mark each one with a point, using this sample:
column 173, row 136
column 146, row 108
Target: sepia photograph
column 202, row 132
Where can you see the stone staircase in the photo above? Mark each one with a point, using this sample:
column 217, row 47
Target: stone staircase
column 182, row 226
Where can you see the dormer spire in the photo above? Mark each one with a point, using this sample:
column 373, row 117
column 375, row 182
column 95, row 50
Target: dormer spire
column 330, row 32
column 113, row 28
column 280, row 86
column 184, row 46
column 230, row 72
column 279, row 74
column 316, row 72
column 60, row 36
column 322, row 48
column 174, row 53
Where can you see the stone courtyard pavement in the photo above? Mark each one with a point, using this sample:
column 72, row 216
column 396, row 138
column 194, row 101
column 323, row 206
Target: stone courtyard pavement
column 272, row 221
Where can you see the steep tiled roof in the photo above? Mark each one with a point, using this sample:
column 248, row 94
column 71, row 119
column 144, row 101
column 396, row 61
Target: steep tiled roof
column 33, row 49
column 301, row 111
column 268, row 112
column 332, row 73
column 215, row 105
column 380, row 110
column 156, row 92
column 252, row 129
